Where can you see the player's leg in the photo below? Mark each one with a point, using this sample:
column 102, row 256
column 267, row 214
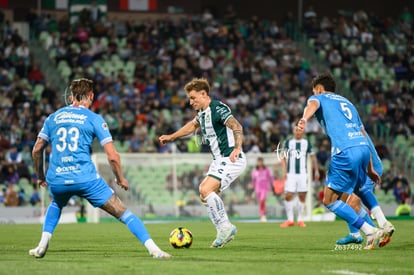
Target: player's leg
column 289, row 205
column 263, row 197
column 344, row 211
column 290, row 190
column 99, row 194
column 302, row 188
column 369, row 200
column 262, row 194
column 209, row 190
column 60, row 197
column 354, row 236
column 219, row 177
column 347, row 170
column 301, row 208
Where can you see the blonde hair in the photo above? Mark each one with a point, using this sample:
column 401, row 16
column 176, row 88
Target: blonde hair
column 80, row 88
column 198, row 84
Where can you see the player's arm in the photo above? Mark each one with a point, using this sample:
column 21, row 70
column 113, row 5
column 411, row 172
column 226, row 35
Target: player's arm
column 370, row 170
column 115, row 162
column 315, row 166
column 308, row 112
column 187, row 129
column 284, row 167
column 38, row 164
column 237, row 129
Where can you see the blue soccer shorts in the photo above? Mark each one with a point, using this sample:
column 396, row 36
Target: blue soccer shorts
column 97, row 192
column 348, row 169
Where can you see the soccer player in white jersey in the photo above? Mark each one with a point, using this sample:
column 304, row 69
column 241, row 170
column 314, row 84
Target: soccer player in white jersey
column 350, row 153
column 70, row 132
column 294, row 162
column 224, row 134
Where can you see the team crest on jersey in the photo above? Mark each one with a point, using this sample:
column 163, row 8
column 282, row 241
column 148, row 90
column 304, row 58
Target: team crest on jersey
column 208, row 118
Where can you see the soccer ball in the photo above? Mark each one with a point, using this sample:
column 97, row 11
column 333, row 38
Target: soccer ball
column 181, row 237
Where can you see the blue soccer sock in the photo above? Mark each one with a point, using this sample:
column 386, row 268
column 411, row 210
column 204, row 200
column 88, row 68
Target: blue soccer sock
column 52, row 217
column 368, row 198
column 135, row 225
column 364, row 215
column 345, row 212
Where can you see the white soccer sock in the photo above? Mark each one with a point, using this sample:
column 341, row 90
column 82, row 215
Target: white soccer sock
column 151, row 246
column 44, row 241
column 379, row 216
column 216, row 211
column 367, row 229
column 289, row 210
column 301, row 210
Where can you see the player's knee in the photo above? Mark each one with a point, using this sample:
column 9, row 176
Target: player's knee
column 326, row 201
column 288, row 196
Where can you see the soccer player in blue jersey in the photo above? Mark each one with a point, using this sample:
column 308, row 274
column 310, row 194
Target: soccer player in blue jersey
column 365, row 193
column 350, row 155
column 224, row 134
column 70, row 132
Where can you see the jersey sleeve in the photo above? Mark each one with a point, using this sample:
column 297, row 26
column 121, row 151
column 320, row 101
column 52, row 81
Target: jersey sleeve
column 45, row 131
column 224, row 112
column 102, row 131
column 314, row 98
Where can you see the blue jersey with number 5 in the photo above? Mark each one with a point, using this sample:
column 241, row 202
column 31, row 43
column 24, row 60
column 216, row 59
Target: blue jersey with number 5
column 340, row 120
column 70, row 131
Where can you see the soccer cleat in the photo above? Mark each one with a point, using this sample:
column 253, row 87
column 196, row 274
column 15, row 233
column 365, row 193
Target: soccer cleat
column 350, row 239
column 287, row 224
column 373, row 239
column 159, row 254
column 224, row 237
column 38, row 252
column 386, row 237
column 263, row 219
column 301, row 224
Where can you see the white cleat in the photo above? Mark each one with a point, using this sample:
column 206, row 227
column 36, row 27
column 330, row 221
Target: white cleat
column 373, row 239
column 38, row 252
column 160, row 255
column 386, row 237
column 224, row 237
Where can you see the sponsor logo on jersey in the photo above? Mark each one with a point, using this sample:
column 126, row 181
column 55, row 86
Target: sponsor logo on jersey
column 66, row 169
column 69, row 117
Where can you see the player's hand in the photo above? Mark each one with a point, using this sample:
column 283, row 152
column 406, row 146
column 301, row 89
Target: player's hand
column 300, row 127
column 123, row 183
column 42, row 183
column 164, row 139
column 234, row 155
column 374, row 176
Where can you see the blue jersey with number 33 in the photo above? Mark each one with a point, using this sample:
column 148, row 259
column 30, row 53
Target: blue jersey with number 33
column 340, row 120
column 70, row 131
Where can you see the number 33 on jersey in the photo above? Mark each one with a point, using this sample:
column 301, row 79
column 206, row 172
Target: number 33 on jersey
column 70, row 131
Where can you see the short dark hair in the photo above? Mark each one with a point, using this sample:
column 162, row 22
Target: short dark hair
column 198, row 84
column 326, row 80
column 80, row 88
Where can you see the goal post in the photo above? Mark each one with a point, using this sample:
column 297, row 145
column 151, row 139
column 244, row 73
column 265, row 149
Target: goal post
column 166, row 185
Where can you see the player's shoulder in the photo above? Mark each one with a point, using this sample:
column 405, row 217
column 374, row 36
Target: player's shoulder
column 217, row 104
column 219, row 107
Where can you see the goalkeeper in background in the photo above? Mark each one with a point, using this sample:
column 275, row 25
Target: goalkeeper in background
column 70, row 132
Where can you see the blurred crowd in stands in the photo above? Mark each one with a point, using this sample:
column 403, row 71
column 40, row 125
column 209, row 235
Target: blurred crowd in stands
column 140, row 66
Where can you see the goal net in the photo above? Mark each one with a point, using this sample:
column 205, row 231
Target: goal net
column 166, row 185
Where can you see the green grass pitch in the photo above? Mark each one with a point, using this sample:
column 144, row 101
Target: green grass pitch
column 259, row 248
